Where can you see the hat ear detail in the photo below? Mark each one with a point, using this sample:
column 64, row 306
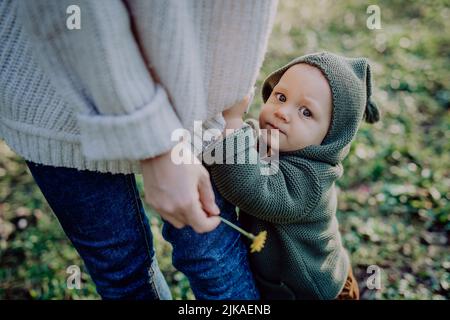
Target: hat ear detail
column 371, row 113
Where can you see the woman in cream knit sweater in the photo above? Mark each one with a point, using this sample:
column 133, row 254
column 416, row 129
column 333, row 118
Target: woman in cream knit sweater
column 88, row 107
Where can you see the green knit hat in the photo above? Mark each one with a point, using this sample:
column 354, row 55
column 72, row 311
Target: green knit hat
column 351, row 88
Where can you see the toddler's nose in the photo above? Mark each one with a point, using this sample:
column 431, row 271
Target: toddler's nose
column 282, row 113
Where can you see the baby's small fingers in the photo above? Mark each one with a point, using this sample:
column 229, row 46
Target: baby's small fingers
column 250, row 99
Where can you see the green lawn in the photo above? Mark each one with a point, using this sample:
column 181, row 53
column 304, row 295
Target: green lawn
column 394, row 205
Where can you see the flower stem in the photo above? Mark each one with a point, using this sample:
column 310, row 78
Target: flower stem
column 232, row 225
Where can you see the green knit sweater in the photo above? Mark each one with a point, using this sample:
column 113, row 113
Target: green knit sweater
column 303, row 257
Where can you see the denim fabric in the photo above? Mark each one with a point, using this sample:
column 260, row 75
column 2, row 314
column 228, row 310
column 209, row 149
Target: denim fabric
column 103, row 217
column 216, row 263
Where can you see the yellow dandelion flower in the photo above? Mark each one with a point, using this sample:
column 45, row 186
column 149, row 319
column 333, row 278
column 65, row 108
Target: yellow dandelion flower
column 258, row 241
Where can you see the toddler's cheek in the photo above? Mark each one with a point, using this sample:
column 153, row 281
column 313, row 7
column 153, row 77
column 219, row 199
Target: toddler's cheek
column 262, row 116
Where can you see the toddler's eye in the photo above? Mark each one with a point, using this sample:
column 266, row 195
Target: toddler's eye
column 305, row 112
column 281, row 97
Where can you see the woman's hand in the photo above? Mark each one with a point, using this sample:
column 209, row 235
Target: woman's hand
column 182, row 194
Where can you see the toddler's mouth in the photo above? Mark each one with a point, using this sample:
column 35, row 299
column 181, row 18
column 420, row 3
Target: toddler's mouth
column 272, row 127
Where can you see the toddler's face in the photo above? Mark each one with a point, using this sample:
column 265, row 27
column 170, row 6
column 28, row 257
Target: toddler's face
column 300, row 106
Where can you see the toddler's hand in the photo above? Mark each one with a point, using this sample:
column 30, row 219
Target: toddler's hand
column 237, row 110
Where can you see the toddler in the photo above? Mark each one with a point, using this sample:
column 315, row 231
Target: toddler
column 315, row 103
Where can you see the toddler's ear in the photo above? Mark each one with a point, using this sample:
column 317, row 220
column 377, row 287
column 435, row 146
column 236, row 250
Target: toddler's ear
column 250, row 100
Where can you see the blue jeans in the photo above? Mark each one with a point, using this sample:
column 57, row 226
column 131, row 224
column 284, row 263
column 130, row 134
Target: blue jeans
column 216, row 263
column 103, row 216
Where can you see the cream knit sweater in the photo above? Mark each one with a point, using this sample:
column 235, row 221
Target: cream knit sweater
column 106, row 95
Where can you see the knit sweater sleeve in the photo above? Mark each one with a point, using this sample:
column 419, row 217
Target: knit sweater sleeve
column 286, row 195
column 122, row 113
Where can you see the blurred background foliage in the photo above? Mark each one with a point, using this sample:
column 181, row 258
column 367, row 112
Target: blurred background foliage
column 394, row 196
